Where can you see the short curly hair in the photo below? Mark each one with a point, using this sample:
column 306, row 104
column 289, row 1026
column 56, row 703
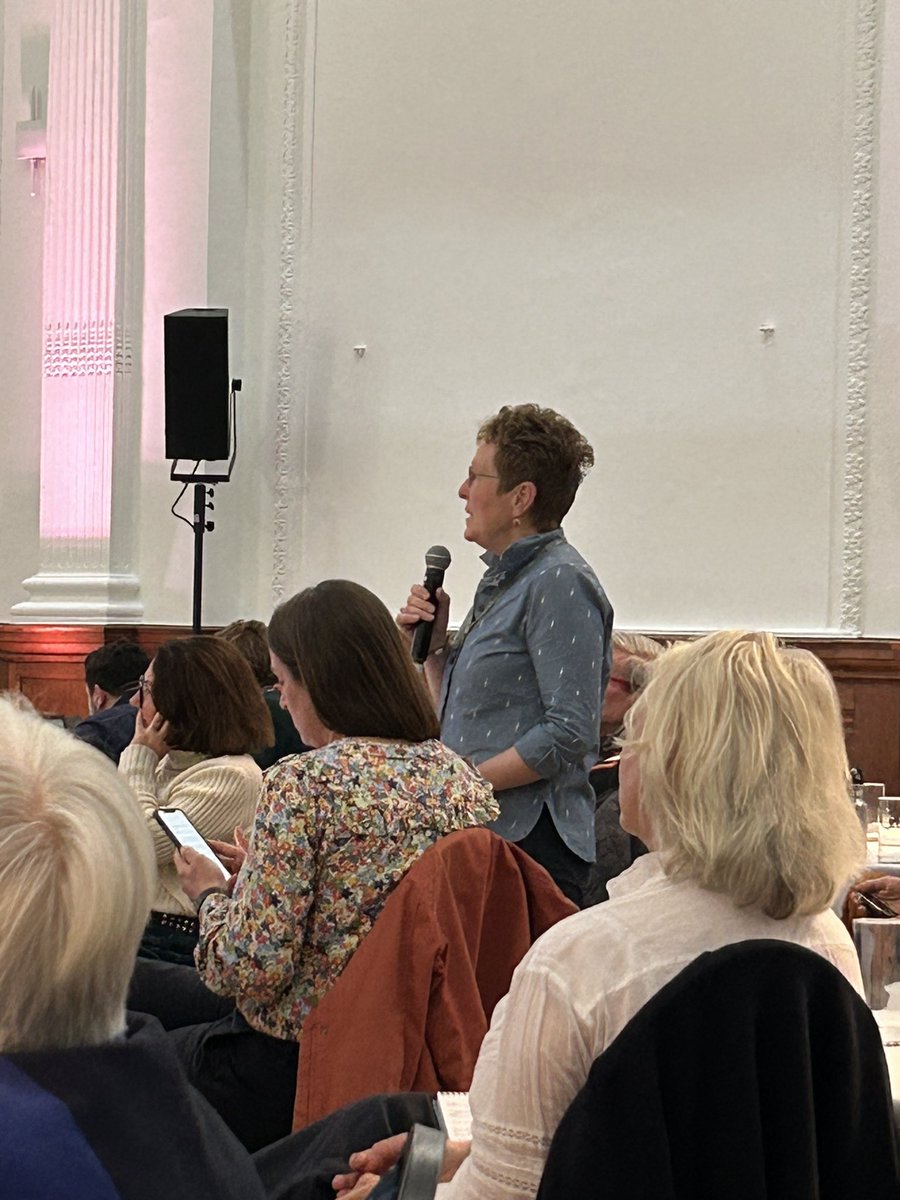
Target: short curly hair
column 116, row 667
column 537, row 445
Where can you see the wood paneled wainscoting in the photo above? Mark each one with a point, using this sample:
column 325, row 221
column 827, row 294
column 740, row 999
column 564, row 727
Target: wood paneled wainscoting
column 867, row 675
column 46, row 662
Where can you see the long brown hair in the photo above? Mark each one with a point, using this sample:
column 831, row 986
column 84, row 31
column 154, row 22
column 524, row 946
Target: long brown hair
column 204, row 688
column 341, row 643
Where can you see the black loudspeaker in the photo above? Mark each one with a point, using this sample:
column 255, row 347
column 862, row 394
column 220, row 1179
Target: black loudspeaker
column 196, row 356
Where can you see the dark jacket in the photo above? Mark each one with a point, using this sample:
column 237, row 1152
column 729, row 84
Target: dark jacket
column 287, row 739
column 111, row 729
column 115, row 1122
column 616, row 849
column 756, row 1074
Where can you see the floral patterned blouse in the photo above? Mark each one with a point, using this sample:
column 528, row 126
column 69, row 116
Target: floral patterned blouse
column 335, row 830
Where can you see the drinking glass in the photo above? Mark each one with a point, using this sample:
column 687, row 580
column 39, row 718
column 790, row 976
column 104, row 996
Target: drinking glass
column 889, row 829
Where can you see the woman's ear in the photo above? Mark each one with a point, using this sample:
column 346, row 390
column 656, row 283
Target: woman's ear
column 526, row 494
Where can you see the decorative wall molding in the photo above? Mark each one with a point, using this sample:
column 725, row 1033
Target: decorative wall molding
column 289, row 153
column 296, row 205
column 81, row 595
column 868, row 27
column 88, row 347
column 83, row 347
column 123, row 352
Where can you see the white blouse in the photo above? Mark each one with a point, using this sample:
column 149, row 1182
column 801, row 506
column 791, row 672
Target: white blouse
column 576, row 989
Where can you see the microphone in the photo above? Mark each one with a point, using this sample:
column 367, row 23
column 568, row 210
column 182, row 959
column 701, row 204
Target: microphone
column 437, row 560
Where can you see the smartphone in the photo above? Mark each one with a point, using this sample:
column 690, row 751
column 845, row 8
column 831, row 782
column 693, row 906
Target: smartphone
column 419, row 1168
column 875, row 907
column 183, row 833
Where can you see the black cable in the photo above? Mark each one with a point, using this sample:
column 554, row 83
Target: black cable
column 184, row 488
column 232, row 430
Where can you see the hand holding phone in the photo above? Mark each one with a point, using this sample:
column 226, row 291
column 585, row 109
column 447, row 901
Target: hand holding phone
column 183, row 833
column 875, row 907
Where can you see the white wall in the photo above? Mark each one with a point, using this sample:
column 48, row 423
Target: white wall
column 214, row 116
column 594, row 205
column 179, row 71
column 244, row 246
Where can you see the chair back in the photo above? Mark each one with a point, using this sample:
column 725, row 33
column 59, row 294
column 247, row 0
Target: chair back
column 757, row 1073
column 411, row 1007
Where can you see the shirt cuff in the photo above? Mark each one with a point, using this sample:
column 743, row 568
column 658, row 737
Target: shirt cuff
column 205, row 895
column 537, row 751
column 138, row 760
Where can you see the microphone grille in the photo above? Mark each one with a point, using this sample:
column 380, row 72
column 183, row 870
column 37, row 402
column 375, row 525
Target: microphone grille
column 437, row 558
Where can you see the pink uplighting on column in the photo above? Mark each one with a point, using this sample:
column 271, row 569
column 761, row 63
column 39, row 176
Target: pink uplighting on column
column 79, row 273
column 76, row 458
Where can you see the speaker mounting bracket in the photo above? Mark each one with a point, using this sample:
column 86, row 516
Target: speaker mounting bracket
column 197, row 477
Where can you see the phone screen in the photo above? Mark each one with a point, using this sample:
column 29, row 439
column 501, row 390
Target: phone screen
column 876, row 907
column 183, row 833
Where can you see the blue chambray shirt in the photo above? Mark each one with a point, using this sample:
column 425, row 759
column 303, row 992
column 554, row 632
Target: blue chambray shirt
column 531, row 674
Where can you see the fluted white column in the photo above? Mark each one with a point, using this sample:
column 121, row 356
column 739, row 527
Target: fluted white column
column 91, row 303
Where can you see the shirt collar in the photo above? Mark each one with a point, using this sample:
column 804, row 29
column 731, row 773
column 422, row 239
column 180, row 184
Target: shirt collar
column 519, row 554
column 180, row 760
column 646, row 871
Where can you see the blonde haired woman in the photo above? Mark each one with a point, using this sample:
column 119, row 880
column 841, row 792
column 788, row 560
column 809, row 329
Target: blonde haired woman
column 92, row 1103
column 734, row 774
column 76, row 879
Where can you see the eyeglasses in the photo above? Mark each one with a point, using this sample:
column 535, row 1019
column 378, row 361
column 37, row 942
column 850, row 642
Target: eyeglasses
column 143, row 686
column 473, row 475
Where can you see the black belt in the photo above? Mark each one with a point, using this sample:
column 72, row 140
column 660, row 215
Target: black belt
column 174, row 921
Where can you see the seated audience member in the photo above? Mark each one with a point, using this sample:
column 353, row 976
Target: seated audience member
column 200, row 716
column 885, row 888
column 111, row 678
column 335, row 830
column 91, row 1110
column 616, row 849
column 734, row 775
column 251, row 638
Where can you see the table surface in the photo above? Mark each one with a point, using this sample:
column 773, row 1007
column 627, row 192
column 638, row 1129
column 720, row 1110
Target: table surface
column 872, row 855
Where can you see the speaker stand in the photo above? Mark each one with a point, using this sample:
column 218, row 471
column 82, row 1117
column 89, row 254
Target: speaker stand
column 204, row 492
column 203, row 500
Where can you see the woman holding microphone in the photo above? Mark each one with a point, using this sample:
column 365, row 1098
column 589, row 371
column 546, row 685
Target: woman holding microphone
column 519, row 688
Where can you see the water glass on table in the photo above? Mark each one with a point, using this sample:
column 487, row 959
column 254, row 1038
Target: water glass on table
column 878, row 946
column 872, row 794
column 889, row 829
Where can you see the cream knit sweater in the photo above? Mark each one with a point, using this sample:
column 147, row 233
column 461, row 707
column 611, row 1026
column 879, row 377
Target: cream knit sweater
column 215, row 794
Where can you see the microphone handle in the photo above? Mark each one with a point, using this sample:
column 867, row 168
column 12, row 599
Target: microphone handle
column 422, row 630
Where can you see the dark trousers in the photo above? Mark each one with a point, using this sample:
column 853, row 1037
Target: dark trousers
column 302, row 1166
column 166, row 944
column 249, row 1077
column 569, row 872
